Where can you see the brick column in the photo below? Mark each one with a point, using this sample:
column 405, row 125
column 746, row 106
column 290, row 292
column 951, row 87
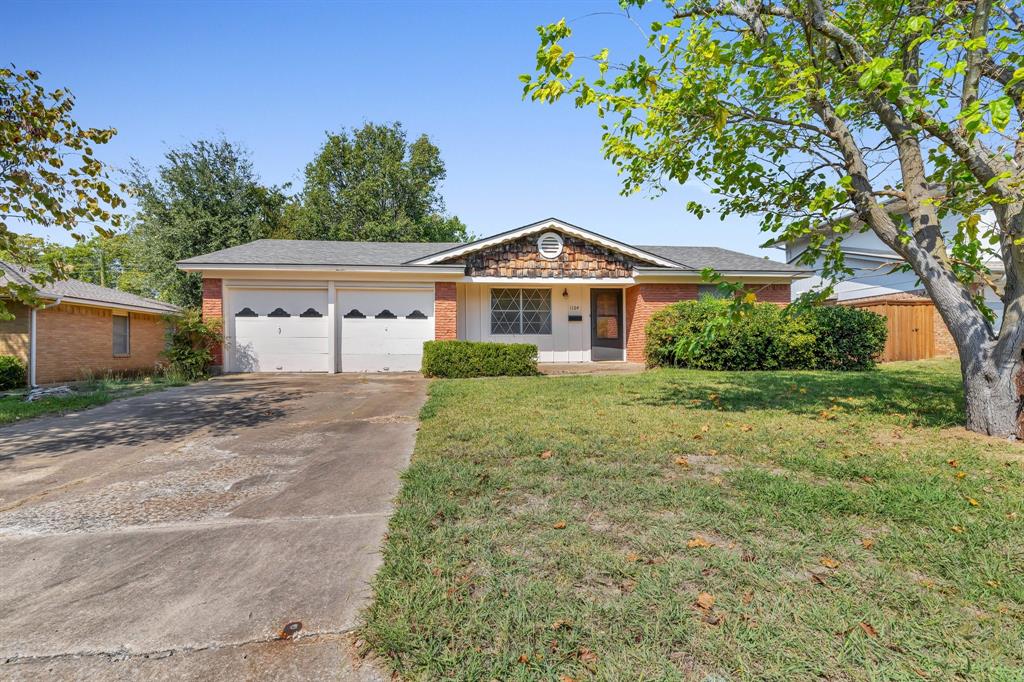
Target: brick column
column 213, row 309
column 445, row 311
column 642, row 301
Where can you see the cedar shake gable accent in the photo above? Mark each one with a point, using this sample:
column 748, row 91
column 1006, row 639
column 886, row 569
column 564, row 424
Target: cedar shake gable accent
column 521, row 257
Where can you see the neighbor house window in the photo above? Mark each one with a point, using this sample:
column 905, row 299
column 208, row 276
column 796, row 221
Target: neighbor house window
column 711, row 291
column 122, row 334
column 520, row 311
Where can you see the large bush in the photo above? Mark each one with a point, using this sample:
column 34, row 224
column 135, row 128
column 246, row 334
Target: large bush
column 765, row 338
column 461, row 359
column 190, row 344
column 12, row 373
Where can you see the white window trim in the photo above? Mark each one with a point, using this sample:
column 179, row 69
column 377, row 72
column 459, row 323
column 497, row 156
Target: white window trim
column 490, row 311
column 128, row 336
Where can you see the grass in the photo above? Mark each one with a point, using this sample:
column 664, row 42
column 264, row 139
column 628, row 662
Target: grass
column 88, row 393
column 855, row 531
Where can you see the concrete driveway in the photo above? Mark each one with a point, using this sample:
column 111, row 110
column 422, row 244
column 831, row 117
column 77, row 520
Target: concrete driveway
column 174, row 535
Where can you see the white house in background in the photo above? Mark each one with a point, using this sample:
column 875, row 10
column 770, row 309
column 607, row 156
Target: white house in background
column 873, row 265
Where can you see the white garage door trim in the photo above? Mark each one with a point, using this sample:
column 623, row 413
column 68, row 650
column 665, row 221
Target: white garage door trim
column 281, row 329
column 383, row 329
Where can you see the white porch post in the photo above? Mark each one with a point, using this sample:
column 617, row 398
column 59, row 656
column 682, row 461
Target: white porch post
column 332, row 329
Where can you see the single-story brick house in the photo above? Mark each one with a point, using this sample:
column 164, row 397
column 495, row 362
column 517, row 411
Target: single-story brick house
column 82, row 329
column 322, row 306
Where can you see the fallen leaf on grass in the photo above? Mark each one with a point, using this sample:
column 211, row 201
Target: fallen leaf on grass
column 559, row 525
column 682, row 461
column 992, row 583
column 973, row 502
column 566, row 678
column 953, row 463
column 546, row 454
column 705, row 428
column 957, row 529
column 523, row 658
column 867, row 543
column 713, row 618
column 699, row 541
column 704, row 601
column 627, row 586
column 698, row 436
column 746, row 427
column 747, row 598
column 867, row 479
column 632, row 556
column 868, row 630
column 587, row 656
column 961, row 474
column 559, row 624
column 829, row 562
column 712, row 453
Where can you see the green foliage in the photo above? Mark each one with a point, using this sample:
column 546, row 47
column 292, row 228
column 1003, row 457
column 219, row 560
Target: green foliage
column 765, row 337
column 205, row 197
column 190, row 344
column 846, row 338
column 49, row 174
column 13, row 373
column 103, row 259
column 462, row 359
column 371, row 184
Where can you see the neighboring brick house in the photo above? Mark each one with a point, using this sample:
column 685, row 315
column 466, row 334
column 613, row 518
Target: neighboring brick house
column 326, row 306
column 81, row 330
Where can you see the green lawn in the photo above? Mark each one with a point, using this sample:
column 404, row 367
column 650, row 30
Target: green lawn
column 855, row 531
column 86, row 394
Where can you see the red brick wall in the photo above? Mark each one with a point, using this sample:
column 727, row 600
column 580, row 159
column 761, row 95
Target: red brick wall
column 445, row 311
column 642, row 301
column 14, row 334
column 772, row 293
column 213, row 309
column 74, row 342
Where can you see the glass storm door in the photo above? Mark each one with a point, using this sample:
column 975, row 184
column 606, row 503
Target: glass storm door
column 607, row 337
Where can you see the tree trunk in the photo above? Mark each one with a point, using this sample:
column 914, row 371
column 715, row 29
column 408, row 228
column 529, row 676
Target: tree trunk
column 993, row 393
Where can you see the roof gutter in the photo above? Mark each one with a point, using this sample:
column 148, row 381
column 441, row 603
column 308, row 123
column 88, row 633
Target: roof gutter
column 799, row 274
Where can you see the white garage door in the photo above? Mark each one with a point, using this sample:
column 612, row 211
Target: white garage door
column 278, row 330
column 383, row 330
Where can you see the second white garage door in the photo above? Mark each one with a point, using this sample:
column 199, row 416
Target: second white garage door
column 383, row 330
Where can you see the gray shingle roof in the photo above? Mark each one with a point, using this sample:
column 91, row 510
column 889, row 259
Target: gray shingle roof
column 723, row 260
column 396, row 254
column 73, row 288
column 309, row 252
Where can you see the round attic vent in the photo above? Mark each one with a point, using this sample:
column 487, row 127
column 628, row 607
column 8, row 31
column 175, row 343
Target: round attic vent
column 550, row 245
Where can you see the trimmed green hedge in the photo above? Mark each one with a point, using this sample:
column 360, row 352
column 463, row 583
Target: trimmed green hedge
column 462, row 359
column 767, row 338
column 12, row 373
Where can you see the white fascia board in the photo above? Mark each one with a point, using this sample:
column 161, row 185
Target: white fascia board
column 91, row 303
column 291, row 267
column 541, row 227
column 560, row 281
column 648, row 274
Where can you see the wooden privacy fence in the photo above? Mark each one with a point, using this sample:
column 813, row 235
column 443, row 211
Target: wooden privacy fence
column 911, row 325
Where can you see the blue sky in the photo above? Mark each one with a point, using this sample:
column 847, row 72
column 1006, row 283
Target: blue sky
column 275, row 76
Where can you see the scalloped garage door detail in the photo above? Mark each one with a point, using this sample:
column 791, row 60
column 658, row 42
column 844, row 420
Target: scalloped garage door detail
column 382, row 344
column 277, row 344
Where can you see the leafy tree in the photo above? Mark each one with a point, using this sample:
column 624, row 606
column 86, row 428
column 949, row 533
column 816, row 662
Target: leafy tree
column 205, row 197
column 49, row 174
column 371, row 184
column 103, row 259
column 803, row 111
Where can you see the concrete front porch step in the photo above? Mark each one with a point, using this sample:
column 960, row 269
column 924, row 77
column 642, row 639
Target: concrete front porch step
column 611, row 367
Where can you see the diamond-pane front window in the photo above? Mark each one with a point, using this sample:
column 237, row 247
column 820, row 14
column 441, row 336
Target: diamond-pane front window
column 520, row 311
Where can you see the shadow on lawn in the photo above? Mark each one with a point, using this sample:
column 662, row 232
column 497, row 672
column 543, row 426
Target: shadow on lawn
column 928, row 395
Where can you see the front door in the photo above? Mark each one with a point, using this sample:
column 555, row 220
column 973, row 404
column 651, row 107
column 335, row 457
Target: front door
column 607, row 337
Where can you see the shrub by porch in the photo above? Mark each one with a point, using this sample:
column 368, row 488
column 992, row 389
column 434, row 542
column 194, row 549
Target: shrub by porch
column 767, row 338
column 464, row 359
